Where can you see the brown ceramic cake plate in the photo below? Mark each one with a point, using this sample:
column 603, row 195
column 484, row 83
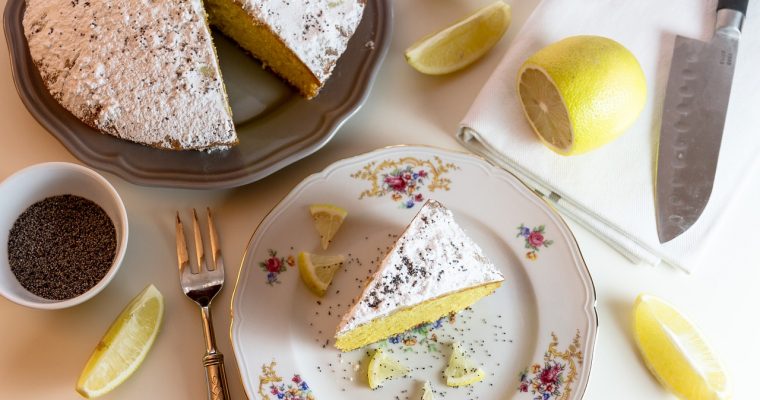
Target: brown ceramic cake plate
column 275, row 125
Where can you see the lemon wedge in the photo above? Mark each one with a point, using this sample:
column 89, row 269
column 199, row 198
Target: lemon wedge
column 327, row 219
column 317, row 271
column 676, row 353
column 461, row 44
column 427, row 391
column 124, row 345
column 581, row 93
column 383, row 367
column 461, row 370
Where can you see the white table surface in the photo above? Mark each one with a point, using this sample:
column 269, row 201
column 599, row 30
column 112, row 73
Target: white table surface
column 44, row 351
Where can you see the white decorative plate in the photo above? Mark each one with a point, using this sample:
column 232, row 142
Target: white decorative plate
column 534, row 336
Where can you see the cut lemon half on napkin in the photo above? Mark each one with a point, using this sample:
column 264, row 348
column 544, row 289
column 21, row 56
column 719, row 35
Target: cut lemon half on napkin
column 676, row 353
column 124, row 346
column 327, row 219
column 461, row 370
column 317, row 271
column 383, row 367
column 460, row 44
column 581, row 93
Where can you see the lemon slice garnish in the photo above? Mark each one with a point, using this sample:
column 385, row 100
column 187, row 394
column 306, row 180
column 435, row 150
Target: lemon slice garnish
column 461, row 44
column 676, row 353
column 317, row 271
column 581, row 93
column 427, row 391
column 124, row 345
column 383, row 367
column 461, row 370
column 327, row 219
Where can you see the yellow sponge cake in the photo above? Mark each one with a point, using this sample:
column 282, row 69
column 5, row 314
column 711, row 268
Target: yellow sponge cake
column 433, row 269
column 299, row 41
column 146, row 71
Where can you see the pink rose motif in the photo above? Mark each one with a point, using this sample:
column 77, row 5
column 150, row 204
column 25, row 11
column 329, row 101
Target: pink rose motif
column 524, row 387
column 549, row 375
column 536, row 239
column 396, row 183
column 273, row 264
column 297, row 378
column 422, row 173
column 418, row 197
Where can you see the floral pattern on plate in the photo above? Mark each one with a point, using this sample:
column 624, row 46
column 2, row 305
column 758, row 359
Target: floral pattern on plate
column 272, row 384
column 274, row 266
column 534, row 240
column 553, row 379
column 421, row 336
column 404, row 179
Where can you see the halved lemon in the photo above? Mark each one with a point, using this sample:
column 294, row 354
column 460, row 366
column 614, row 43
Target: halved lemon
column 124, row 345
column 383, row 367
column 461, row 370
column 317, row 271
column 327, row 219
column 676, row 353
column 462, row 43
column 581, row 93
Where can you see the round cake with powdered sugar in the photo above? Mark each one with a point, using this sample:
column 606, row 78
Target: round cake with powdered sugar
column 144, row 71
column 147, row 71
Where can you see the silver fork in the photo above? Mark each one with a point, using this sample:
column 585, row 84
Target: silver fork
column 201, row 287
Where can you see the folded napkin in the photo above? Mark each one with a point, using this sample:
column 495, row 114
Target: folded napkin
column 610, row 191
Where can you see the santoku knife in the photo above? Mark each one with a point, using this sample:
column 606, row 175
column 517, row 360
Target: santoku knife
column 694, row 113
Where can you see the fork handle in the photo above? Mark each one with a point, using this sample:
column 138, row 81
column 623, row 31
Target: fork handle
column 216, row 378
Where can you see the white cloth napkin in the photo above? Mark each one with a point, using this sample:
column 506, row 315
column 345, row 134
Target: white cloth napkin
column 610, row 191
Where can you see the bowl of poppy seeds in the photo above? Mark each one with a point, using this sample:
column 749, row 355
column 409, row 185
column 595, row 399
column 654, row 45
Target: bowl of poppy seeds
column 63, row 235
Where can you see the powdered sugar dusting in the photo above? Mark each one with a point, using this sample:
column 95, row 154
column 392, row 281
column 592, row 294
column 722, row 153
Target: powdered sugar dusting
column 317, row 31
column 141, row 70
column 433, row 257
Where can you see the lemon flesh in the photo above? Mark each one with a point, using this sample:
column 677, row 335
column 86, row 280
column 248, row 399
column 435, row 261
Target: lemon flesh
column 461, row 370
column 327, row 219
column 581, row 93
column 317, row 271
column 383, row 367
column 675, row 352
column 124, row 345
column 462, row 43
column 427, row 391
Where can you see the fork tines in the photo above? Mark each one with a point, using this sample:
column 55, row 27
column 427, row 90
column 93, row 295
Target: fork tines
column 216, row 252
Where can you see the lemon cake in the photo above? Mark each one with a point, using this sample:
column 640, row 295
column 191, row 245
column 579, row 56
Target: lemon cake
column 433, row 269
column 144, row 71
column 299, row 41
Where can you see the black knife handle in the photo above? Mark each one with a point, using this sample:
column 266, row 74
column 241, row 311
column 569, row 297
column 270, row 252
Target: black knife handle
column 738, row 5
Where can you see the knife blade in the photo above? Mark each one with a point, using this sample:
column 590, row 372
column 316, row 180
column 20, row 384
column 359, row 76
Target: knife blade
column 694, row 113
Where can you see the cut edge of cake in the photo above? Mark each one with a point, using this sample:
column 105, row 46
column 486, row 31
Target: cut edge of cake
column 226, row 15
column 299, row 44
column 400, row 296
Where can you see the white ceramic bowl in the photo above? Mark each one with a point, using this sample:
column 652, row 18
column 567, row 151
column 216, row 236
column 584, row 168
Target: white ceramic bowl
column 35, row 183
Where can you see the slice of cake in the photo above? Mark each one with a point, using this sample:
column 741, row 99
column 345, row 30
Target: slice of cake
column 433, row 269
column 144, row 71
column 298, row 40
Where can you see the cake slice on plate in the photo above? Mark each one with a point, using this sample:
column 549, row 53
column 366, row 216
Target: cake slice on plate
column 299, row 41
column 433, row 269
